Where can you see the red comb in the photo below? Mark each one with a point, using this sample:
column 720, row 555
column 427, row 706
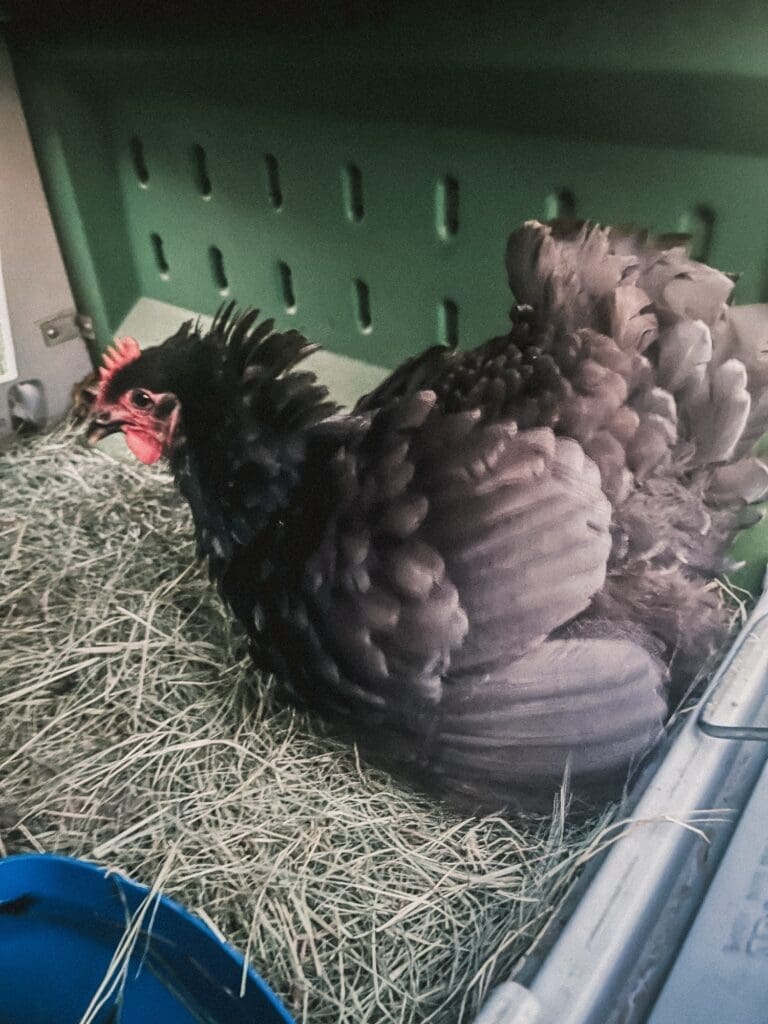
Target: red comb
column 125, row 350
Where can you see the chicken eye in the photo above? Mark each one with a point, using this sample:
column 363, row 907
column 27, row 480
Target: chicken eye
column 141, row 399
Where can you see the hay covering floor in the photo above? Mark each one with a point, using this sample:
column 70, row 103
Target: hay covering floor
column 129, row 735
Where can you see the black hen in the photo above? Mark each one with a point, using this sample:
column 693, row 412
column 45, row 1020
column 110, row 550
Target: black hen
column 484, row 573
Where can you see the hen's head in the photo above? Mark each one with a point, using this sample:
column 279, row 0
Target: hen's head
column 135, row 396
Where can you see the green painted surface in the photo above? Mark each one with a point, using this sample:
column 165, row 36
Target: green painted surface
column 751, row 548
column 320, row 164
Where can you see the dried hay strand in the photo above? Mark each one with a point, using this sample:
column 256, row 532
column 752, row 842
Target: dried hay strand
column 127, row 730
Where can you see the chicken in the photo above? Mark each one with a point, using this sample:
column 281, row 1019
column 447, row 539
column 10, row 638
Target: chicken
column 493, row 572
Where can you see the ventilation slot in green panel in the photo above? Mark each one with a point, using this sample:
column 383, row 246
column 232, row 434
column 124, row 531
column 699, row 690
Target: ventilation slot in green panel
column 363, row 306
column 201, row 172
column 699, row 223
column 353, row 193
column 560, row 204
column 139, row 163
column 274, row 190
column 217, row 270
column 448, row 323
column 286, row 285
column 447, row 208
column 160, row 261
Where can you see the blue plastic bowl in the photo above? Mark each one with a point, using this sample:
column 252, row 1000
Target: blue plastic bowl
column 60, row 923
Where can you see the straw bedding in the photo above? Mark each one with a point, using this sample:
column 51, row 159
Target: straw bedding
column 135, row 734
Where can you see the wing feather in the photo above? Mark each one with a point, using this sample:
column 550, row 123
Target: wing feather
column 456, row 543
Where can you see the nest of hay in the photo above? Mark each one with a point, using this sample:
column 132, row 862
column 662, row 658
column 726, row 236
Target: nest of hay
column 128, row 728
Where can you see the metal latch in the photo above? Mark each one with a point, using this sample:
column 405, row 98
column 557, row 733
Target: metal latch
column 60, row 328
column 737, row 705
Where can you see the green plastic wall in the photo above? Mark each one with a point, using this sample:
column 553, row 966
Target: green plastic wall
column 357, row 174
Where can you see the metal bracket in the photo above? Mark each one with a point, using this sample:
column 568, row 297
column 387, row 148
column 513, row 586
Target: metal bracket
column 85, row 323
column 737, row 705
column 60, row 328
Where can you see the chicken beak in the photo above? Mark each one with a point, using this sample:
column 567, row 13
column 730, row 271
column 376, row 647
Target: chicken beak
column 100, row 427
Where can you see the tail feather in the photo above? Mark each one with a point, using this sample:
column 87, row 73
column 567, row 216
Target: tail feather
column 718, row 416
column 651, row 297
column 743, row 481
column 632, row 322
column 743, row 335
column 686, row 350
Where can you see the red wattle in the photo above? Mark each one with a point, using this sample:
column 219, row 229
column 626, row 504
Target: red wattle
column 145, row 447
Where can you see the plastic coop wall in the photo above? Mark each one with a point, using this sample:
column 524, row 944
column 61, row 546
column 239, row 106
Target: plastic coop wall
column 356, row 173
column 41, row 352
